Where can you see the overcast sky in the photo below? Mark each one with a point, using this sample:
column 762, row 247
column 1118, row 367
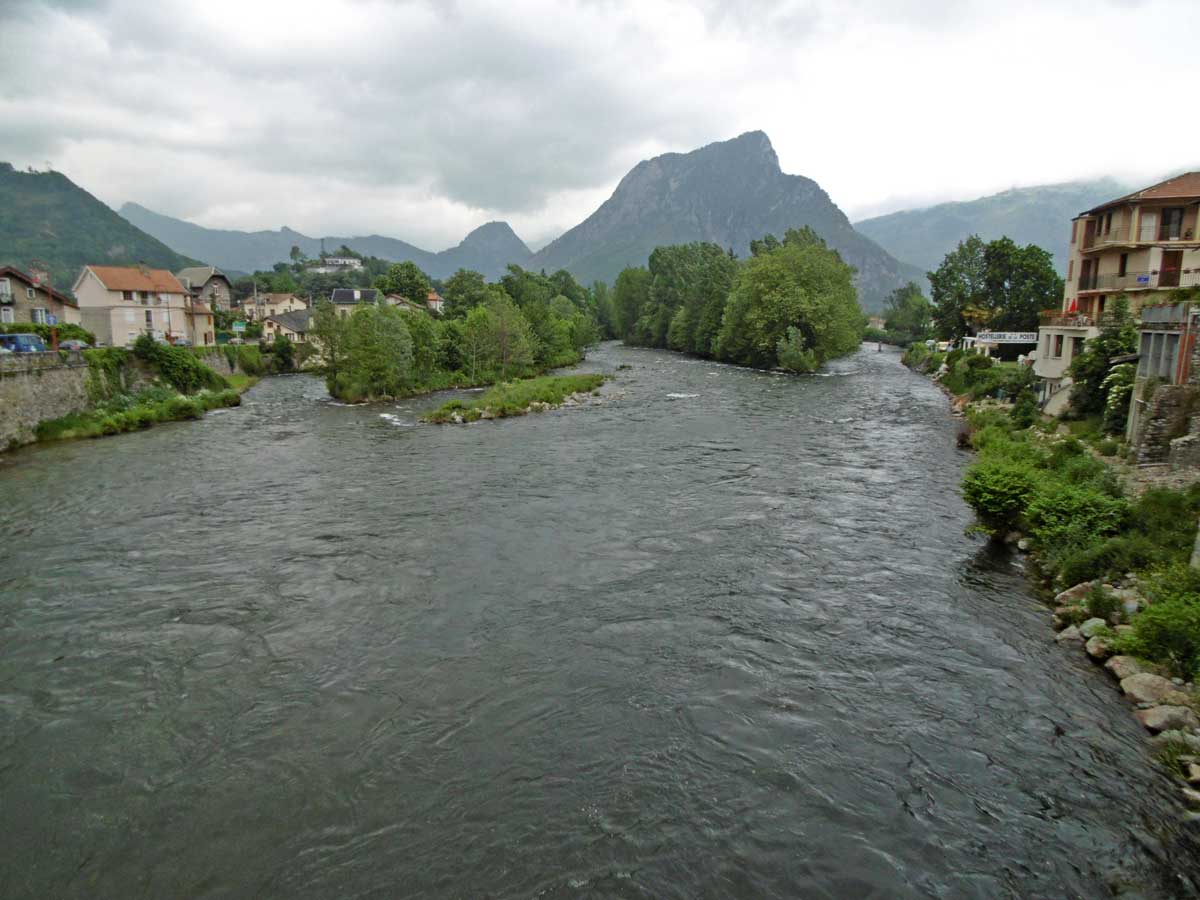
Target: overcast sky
column 422, row 120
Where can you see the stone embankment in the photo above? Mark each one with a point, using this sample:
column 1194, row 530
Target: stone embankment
column 577, row 399
column 1166, row 707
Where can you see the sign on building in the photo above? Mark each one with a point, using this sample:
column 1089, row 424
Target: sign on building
column 239, row 327
column 1007, row 337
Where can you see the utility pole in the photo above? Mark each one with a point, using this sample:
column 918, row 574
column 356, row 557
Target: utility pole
column 1196, row 551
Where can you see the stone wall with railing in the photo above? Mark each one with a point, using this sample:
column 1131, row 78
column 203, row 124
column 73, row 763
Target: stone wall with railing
column 39, row 386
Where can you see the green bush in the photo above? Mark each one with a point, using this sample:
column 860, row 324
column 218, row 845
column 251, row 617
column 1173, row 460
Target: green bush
column 250, row 360
column 178, row 366
column 1102, row 603
column 999, row 491
column 1108, row 447
column 1107, row 558
column 515, row 398
column 1064, row 513
column 1168, row 630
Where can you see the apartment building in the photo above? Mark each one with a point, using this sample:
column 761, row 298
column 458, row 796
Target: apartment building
column 118, row 303
column 1142, row 246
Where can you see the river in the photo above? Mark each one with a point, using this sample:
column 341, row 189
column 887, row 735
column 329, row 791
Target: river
column 723, row 635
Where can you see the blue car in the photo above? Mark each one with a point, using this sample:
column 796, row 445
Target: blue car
column 22, row 343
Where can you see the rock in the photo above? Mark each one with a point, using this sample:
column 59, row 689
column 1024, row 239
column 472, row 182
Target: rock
column 1130, row 608
column 1177, row 681
column 1073, row 594
column 1123, row 666
column 1167, row 718
column 1023, row 545
column 1012, row 537
column 1092, row 627
column 1097, row 649
column 1193, row 773
column 1191, row 741
column 1069, row 635
column 1175, row 698
column 1146, row 688
column 1192, row 797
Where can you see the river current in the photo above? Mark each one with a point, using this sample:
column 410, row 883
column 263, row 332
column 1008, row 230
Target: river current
column 723, row 635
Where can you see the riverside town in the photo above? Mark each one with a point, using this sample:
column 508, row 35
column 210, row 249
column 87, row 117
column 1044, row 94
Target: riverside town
column 609, row 483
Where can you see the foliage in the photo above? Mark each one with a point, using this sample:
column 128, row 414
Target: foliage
column 283, row 355
column 1168, row 630
column 997, row 285
column 517, row 398
column 1090, row 370
column 378, row 357
column 250, row 361
column 999, row 492
column 178, row 366
column 1102, row 603
column 405, row 279
column 463, row 291
column 798, row 284
column 126, row 413
column 908, row 315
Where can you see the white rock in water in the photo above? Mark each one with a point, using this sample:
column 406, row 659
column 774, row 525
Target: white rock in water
column 1092, row 627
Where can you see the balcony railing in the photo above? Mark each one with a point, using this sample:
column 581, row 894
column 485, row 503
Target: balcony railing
column 1145, row 233
column 1059, row 319
column 1117, row 234
column 1155, row 279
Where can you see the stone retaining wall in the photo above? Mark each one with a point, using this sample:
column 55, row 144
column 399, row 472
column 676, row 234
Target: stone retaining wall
column 38, row 386
column 1164, row 420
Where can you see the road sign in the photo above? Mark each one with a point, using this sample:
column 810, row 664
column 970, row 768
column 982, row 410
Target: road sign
column 51, row 320
column 239, row 326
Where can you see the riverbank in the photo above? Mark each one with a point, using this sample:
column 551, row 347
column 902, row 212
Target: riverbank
column 122, row 390
column 1115, row 561
column 520, row 398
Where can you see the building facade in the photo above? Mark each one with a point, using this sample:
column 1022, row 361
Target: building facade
column 207, row 284
column 264, row 305
column 120, row 303
column 293, row 325
column 1140, row 246
column 24, row 298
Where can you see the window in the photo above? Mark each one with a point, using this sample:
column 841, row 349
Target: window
column 5, row 286
column 150, row 319
column 1070, row 269
column 126, row 295
column 1076, row 346
column 1171, row 225
column 6, row 314
column 1058, row 346
column 1123, row 263
column 1074, row 229
column 30, row 293
column 38, row 315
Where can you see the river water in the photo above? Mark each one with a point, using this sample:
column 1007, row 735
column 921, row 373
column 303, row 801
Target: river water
column 723, row 635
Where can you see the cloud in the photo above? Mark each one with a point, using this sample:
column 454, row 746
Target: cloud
column 421, row 120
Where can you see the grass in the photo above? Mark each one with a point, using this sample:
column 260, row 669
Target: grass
column 516, row 398
column 132, row 414
column 241, row 383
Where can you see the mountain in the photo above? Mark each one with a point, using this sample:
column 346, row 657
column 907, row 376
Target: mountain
column 50, row 219
column 728, row 193
column 1032, row 215
column 487, row 249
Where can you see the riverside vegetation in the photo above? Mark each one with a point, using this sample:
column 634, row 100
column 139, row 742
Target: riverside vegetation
column 519, row 398
column 135, row 388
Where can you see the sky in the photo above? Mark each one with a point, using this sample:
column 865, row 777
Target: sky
column 423, row 120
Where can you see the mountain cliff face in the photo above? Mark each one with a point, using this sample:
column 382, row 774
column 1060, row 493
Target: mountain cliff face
column 51, row 219
column 1034, row 215
column 487, row 249
column 728, row 193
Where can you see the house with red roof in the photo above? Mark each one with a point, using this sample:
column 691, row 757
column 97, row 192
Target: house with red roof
column 119, row 303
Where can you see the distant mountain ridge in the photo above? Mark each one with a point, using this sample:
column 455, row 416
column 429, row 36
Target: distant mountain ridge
column 1031, row 215
column 51, row 219
column 488, row 249
column 728, row 193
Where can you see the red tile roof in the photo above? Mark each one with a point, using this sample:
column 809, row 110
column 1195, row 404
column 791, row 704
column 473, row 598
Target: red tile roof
column 134, row 278
column 1181, row 187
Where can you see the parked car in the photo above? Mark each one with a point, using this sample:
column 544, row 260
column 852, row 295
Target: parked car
column 22, row 343
column 182, row 342
column 74, row 344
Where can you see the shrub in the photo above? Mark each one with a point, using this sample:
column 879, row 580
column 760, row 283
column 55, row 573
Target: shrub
column 66, row 331
column 1025, row 408
column 1073, row 514
column 999, row 491
column 178, row 366
column 250, row 361
column 1102, row 603
column 1108, row 558
column 1168, row 632
column 1108, row 447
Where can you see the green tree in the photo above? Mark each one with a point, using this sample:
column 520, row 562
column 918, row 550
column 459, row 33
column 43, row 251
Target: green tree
column 284, row 352
column 908, row 312
column 463, row 291
column 802, row 285
column 958, row 289
column 1090, row 369
column 630, row 293
column 378, row 359
column 405, row 279
column 510, row 339
column 328, row 332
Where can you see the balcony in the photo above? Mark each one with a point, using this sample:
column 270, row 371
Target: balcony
column 1056, row 318
column 1117, row 235
column 1155, row 279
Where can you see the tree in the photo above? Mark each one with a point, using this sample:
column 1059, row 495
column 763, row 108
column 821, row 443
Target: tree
column 958, row 289
column 998, row 285
column 630, row 294
column 297, row 255
column 463, row 291
column 1090, row 370
column 378, row 358
column 405, row 279
column 798, row 297
column 908, row 312
column 510, row 339
column 328, row 331
column 284, row 352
